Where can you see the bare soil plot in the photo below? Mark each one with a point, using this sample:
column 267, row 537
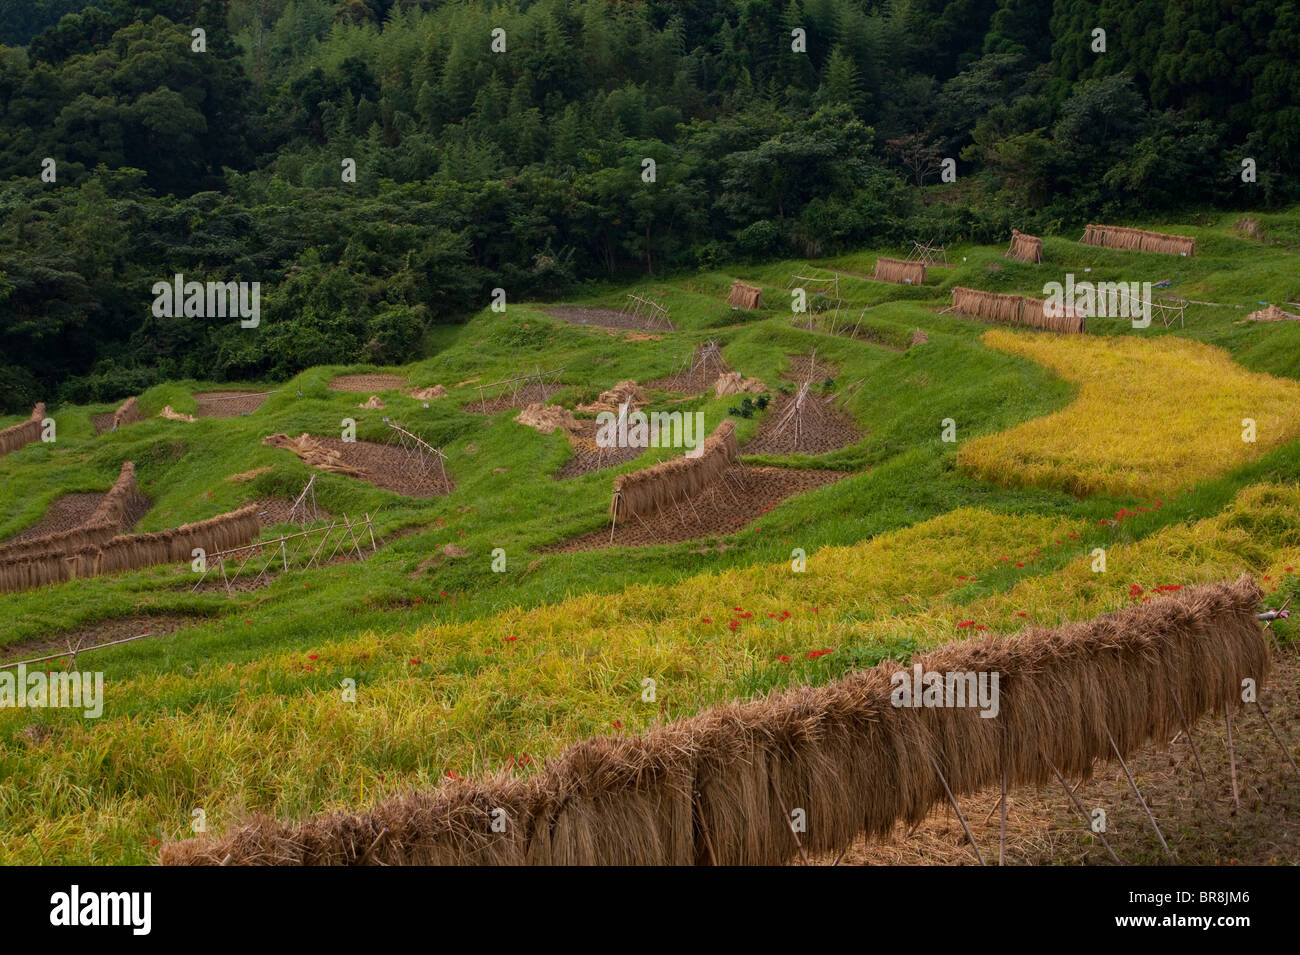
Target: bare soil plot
column 68, row 511
column 714, row 513
column 102, row 631
column 1043, row 828
column 367, row 383
column 603, row 318
column 821, row 427
column 588, row 456
column 278, row 510
column 533, row 392
column 384, row 465
column 698, row 375
column 227, row 404
column 809, row 367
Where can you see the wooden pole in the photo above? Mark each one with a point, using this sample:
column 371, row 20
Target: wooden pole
column 962, row 819
column 1138, row 793
column 1232, row 757
column 1083, row 812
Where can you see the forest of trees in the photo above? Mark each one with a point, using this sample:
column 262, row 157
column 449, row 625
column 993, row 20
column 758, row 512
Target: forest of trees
column 523, row 169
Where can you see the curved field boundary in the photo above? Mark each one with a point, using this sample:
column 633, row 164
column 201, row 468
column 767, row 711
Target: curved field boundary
column 111, row 516
column 1135, row 395
column 720, row 788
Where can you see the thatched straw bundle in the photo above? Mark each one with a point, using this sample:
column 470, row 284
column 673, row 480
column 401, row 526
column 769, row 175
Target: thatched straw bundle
column 1004, row 309
column 116, row 504
column 314, row 453
column 175, row 545
column 548, row 418
column 1138, row 240
column 127, row 413
column 643, row 492
column 1014, row 310
column 612, row 400
column 721, row 787
column 1271, row 313
column 107, row 521
column 1034, row 313
column 897, row 270
column 61, row 543
column 20, row 435
column 100, row 549
column 745, row 296
column 1025, row 247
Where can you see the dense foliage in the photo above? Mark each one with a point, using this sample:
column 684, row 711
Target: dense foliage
column 523, row 169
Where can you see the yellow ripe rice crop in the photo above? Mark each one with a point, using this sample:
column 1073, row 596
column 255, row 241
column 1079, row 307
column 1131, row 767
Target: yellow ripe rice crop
column 278, row 734
column 1151, row 415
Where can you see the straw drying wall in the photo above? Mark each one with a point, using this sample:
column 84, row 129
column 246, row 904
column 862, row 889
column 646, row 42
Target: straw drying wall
column 654, row 488
column 98, row 553
column 720, row 787
column 897, row 270
column 1138, row 240
column 1015, row 310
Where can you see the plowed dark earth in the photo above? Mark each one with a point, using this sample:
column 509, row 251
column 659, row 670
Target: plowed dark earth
column 68, row 511
column 695, row 379
column 713, row 513
column 533, row 392
column 278, row 510
column 801, row 368
column 366, row 384
column 822, row 428
column 588, row 456
column 389, row 467
column 604, row 318
column 227, row 404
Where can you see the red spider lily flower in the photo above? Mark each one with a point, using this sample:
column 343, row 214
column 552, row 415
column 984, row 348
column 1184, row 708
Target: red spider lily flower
column 416, row 661
column 511, row 639
column 783, row 658
column 785, row 613
column 452, row 774
column 707, row 620
column 417, row 600
column 966, row 623
column 313, row 656
column 305, row 667
column 980, row 626
column 773, row 615
column 737, row 609
column 444, row 593
column 617, row 725
column 1018, row 564
column 1022, row 614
